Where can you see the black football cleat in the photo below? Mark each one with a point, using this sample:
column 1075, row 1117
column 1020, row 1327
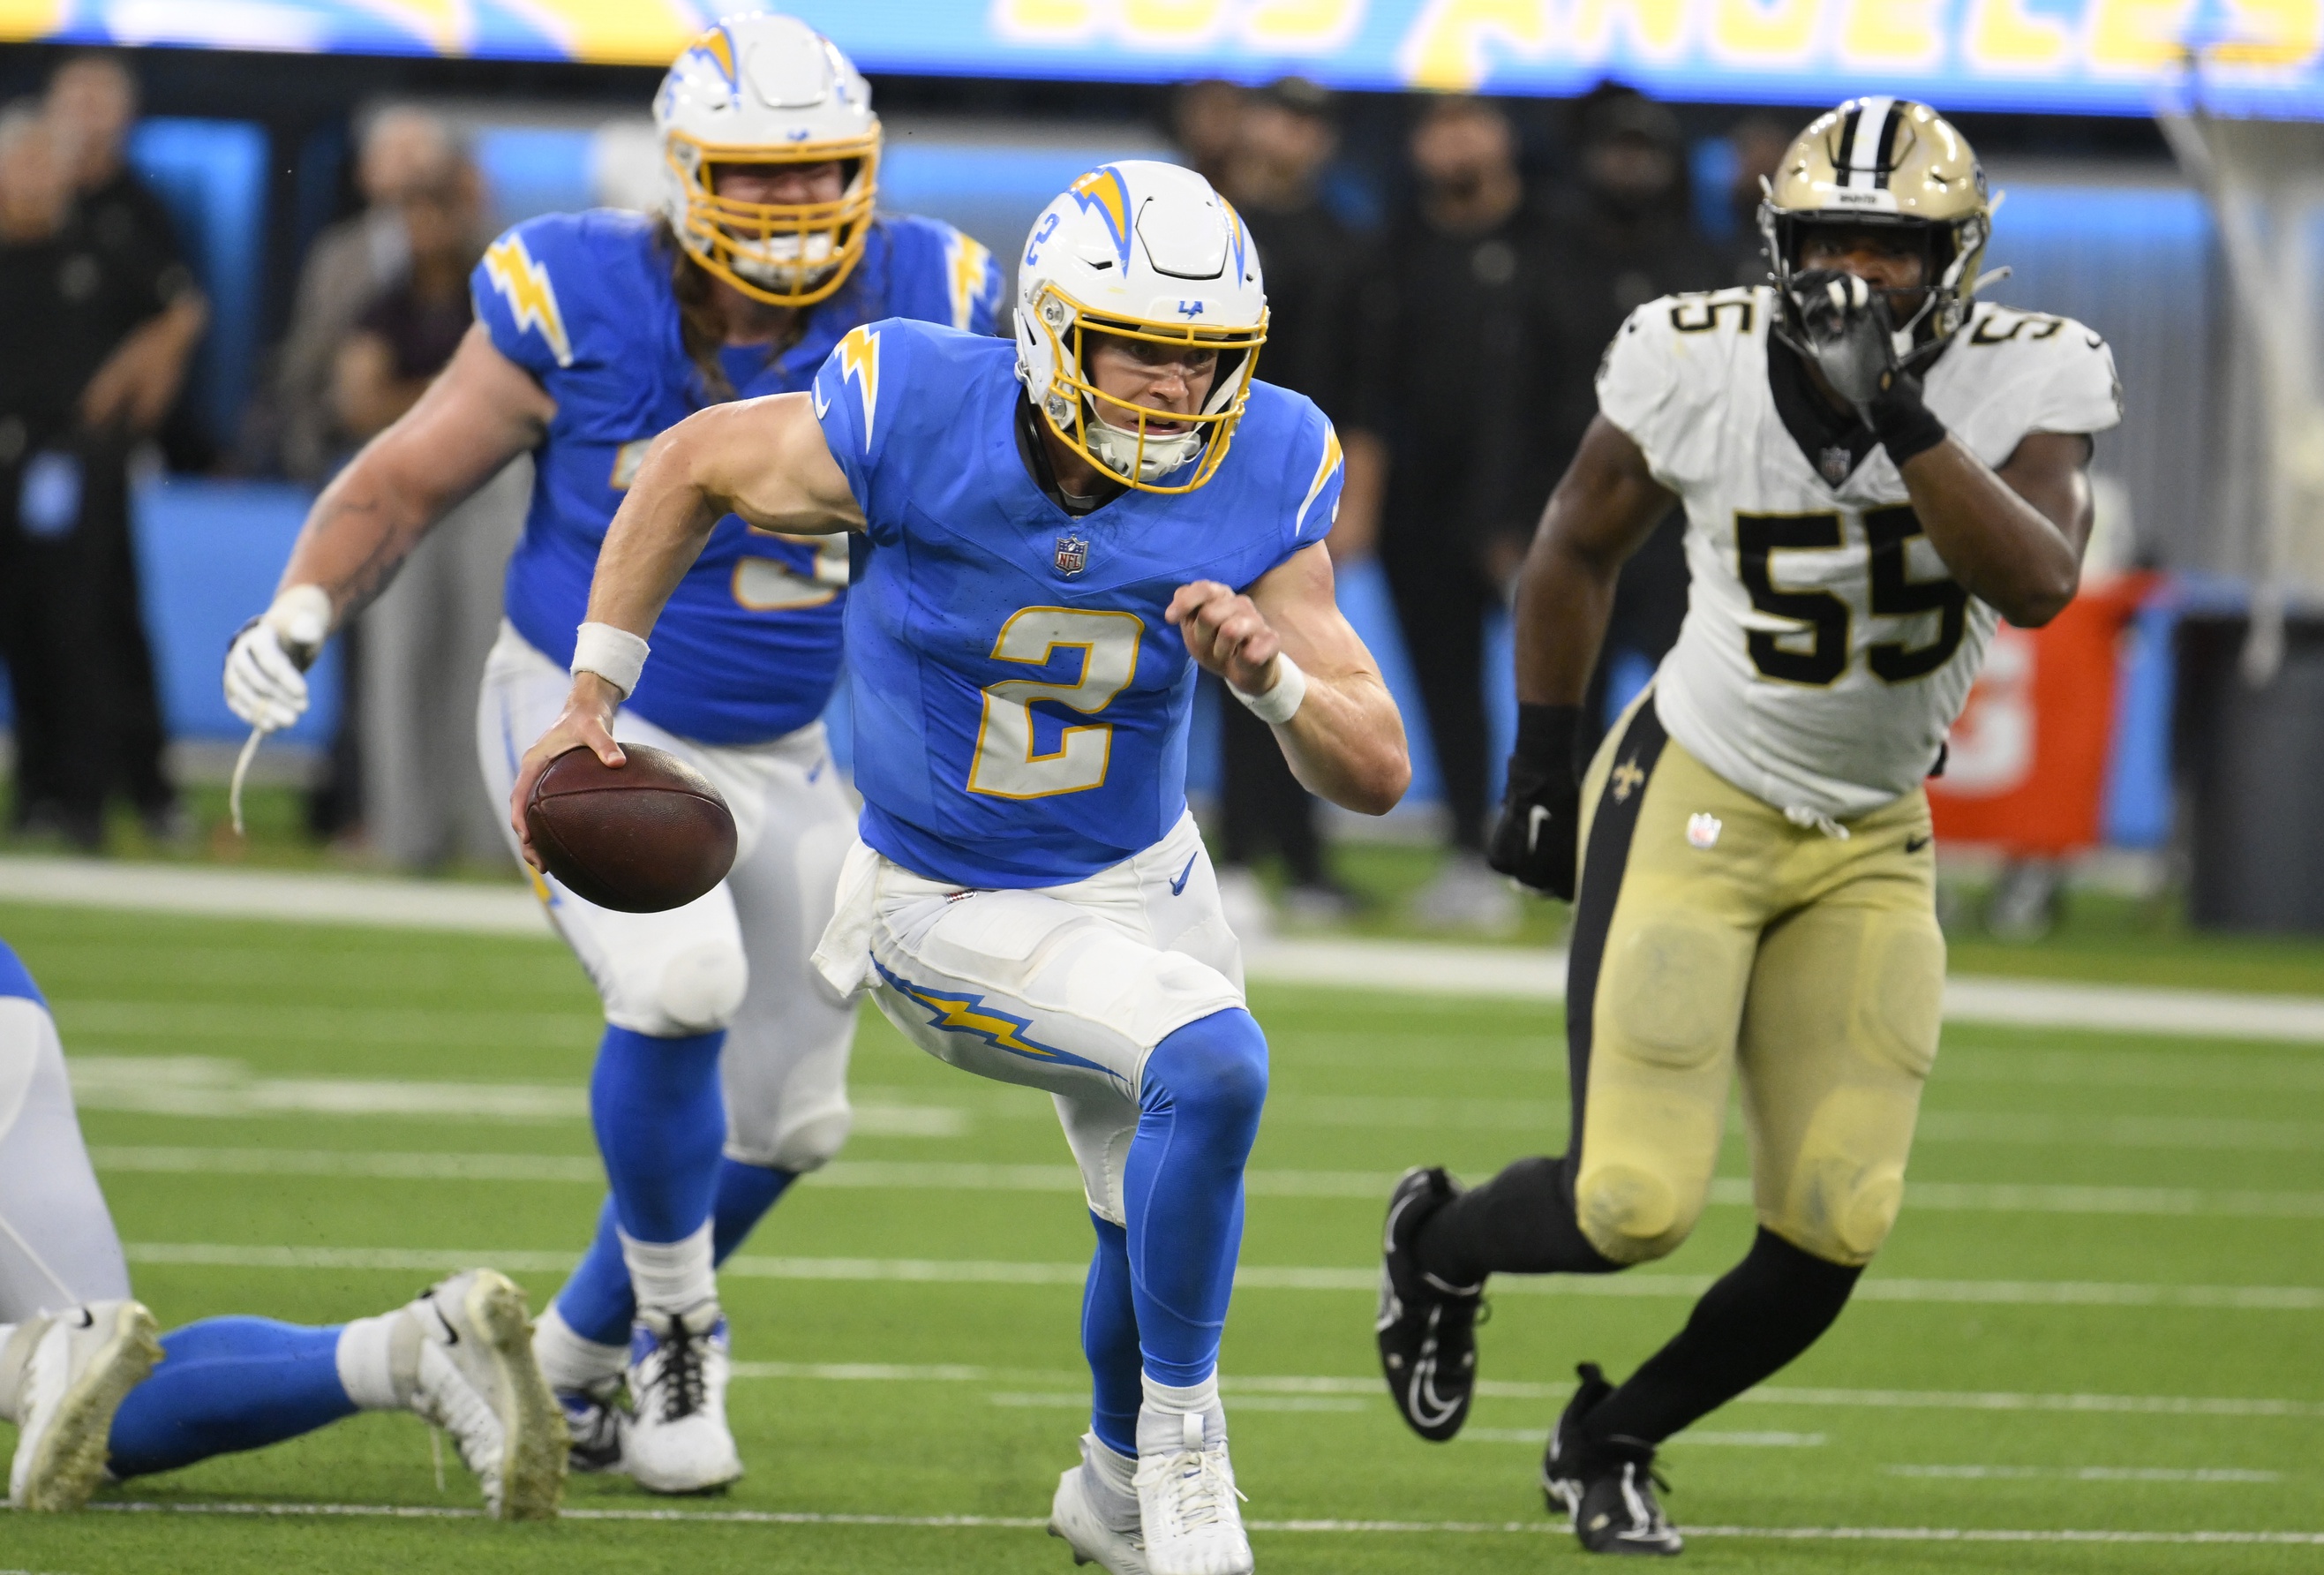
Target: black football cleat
column 1426, row 1328
column 1607, row 1484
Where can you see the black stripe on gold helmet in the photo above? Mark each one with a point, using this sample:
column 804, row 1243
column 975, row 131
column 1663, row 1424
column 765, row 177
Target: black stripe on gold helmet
column 1879, row 162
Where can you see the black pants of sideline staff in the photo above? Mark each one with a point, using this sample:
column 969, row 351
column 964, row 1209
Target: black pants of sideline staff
column 72, row 631
column 1263, row 807
column 1442, row 598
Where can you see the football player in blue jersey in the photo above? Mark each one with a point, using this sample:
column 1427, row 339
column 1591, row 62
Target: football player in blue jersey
column 595, row 332
column 1050, row 540
column 76, row 1349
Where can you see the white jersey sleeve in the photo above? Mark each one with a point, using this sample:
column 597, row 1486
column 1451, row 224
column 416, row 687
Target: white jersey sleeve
column 1665, row 372
column 2011, row 373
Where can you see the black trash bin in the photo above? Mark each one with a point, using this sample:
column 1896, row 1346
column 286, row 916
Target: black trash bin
column 2251, row 767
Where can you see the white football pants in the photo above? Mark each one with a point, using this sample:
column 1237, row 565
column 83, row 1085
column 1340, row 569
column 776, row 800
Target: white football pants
column 1066, row 988
column 57, row 1247
column 735, row 957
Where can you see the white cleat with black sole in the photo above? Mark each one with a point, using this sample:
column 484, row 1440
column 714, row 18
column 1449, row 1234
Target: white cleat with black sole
column 1098, row 1520
column 1188, row 1504
column 676, row 1440
column 69, row 1372
column 468, row 1345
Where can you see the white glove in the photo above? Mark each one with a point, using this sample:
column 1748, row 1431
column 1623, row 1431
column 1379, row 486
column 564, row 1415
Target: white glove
column 266, row 665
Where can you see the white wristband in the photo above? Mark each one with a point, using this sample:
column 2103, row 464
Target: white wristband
column 615, row 655
column 1279, row 704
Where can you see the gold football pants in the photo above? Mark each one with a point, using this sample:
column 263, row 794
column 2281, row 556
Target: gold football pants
column 1712, row 936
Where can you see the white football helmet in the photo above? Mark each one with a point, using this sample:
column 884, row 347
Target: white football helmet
column 765, row 89
column 1141, row 251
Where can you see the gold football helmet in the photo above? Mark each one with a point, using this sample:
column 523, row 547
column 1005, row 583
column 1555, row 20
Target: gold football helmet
column 1884, row 161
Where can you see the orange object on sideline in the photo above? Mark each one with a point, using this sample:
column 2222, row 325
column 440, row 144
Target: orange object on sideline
column 2025, row 771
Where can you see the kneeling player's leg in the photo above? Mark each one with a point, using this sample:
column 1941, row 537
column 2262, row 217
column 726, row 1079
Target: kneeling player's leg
column 460, row 1356
column 57, row 1247
column 1838, row 1041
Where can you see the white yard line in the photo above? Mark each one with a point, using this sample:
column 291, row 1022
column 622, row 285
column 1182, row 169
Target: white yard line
column 1344, row 1527
column 1252, row 1277
column 1507, row 1389
column 913, row 1176
column 1500, row 973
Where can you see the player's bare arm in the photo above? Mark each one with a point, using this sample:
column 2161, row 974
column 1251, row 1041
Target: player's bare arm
column 1345, row 741
column 482, row 410
column 763, row 460
column 1604, row 509
column 2013, row 538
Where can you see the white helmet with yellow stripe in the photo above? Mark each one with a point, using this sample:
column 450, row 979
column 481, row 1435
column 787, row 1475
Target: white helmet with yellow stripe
column 1149, row 252
column 760, row 89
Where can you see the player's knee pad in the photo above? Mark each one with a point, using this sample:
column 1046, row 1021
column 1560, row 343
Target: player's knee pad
column 1848, row 1180
column 1633, row 1213
column 809, row 1142
column 1674, row 992
column 696, row 987
column 1213, row 1068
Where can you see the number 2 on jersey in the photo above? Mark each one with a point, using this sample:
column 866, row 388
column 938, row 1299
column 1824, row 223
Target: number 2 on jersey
column 1824, row 617
column 1006, row 765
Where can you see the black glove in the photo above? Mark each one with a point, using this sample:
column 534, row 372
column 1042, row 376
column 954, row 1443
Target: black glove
column 1535, row 842
column 1851, row 340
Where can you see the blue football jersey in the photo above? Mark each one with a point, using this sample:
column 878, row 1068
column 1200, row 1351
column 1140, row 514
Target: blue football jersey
column 749, row 646
column 1021, row 705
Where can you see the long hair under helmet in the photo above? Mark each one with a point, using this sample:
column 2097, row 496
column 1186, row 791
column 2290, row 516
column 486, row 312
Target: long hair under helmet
column 1148, row 252
column 760, row 89
column 1886, row 162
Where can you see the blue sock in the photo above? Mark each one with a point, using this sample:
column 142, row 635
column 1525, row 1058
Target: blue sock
column 598, row 1303
column 1183, row 1189
column 660, row 1123
column 1110, row 1339
column 228, row 1383
column 745, row 1193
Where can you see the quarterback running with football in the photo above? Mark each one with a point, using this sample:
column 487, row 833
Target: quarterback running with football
column 595, row 332
column 1875, row 468
column 1052, row 539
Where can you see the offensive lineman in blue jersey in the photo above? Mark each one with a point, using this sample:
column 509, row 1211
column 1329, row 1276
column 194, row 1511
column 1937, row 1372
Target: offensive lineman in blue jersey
column 595, row 333
column 1029, row 899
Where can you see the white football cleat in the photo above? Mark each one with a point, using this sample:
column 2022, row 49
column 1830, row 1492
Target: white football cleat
column 77, row 1364
column 1188, row 1506
column 676, row 1439
column 1097, row 1521
column 477, row 1380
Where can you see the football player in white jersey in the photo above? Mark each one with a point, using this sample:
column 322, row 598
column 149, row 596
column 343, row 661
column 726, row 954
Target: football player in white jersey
column 1875, row 468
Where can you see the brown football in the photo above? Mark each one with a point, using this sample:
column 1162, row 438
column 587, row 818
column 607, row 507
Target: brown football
column 649, row 835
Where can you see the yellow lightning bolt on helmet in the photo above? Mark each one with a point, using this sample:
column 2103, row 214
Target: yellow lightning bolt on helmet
column 760, row 89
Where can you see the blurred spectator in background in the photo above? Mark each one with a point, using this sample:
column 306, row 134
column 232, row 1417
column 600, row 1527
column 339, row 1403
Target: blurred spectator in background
column 1206, row 122
column 424, row 641
column 1466, row 343
column 347, row 268
column 92, row 101
column 1314, row 264
column 1628, row 235
column 101, row 319
column 1756, row 143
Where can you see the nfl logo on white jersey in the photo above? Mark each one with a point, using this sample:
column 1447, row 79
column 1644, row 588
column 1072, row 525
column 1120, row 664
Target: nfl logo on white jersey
column 1073, row 555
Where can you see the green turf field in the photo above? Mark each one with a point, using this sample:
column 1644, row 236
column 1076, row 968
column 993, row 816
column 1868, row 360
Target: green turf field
column 2102, row 1313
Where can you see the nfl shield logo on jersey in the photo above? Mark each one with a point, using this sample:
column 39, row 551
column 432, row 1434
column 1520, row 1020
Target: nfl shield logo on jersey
column 1073, row 555
column 1835, row 463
